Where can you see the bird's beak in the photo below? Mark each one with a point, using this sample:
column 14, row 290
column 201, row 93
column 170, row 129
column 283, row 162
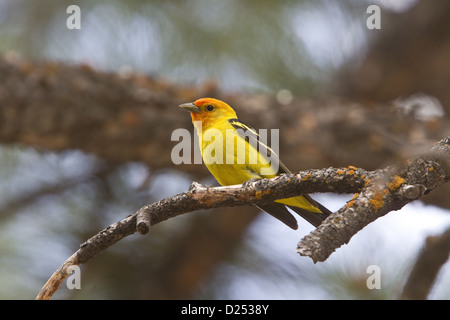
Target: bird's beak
column 191, row 107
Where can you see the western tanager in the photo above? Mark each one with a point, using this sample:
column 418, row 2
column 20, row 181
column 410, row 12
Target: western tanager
column 215, row 122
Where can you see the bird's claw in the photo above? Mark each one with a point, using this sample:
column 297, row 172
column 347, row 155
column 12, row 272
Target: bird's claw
column 248, row 183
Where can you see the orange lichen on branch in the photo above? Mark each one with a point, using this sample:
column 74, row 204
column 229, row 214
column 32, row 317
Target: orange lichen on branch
column 377, row 200
column 349, row 170
column 396, row 182
column 259, row 194
column 306, row 177
column 352, row 201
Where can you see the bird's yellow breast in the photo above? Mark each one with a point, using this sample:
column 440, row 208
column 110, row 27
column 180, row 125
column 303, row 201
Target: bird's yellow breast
column 230, row 158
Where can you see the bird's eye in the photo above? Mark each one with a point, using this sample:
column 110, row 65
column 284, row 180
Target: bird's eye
column 210, row 107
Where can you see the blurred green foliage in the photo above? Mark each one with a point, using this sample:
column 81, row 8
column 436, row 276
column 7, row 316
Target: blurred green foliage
column 244, row 45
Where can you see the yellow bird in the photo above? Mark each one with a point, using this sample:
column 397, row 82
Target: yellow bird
column 221, row 135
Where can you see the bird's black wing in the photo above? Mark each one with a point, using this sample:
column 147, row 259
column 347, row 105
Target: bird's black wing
column 312, row 217
column 278, row 210
column 249, row 134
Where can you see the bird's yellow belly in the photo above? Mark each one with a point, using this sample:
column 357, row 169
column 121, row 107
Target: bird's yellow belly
column 230, row 165
column 230, row 174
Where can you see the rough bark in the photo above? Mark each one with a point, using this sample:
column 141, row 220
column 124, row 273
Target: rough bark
column 379, row 192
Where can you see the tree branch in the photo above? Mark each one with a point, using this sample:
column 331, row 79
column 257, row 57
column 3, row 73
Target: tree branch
column 57, row 106
column 432, row 257
column 379, row 192
column 385, row 190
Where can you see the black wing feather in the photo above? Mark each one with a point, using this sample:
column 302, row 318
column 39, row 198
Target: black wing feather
column 247, row 132
column 278, row 210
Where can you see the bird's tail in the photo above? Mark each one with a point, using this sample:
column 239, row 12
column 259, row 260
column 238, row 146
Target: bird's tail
column 280, row 212
column 314, row 218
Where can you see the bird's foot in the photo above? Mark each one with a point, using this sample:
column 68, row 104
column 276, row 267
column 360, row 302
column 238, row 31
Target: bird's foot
column 247, row 184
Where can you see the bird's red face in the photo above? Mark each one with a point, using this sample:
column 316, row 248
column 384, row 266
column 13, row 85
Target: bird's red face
column 208, row 110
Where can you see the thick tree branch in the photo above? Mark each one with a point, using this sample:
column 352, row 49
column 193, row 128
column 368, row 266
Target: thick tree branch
column 379, row 192
column 57, row 106
column 386, row 190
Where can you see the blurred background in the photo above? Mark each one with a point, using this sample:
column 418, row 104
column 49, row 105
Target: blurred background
column 73, row 162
